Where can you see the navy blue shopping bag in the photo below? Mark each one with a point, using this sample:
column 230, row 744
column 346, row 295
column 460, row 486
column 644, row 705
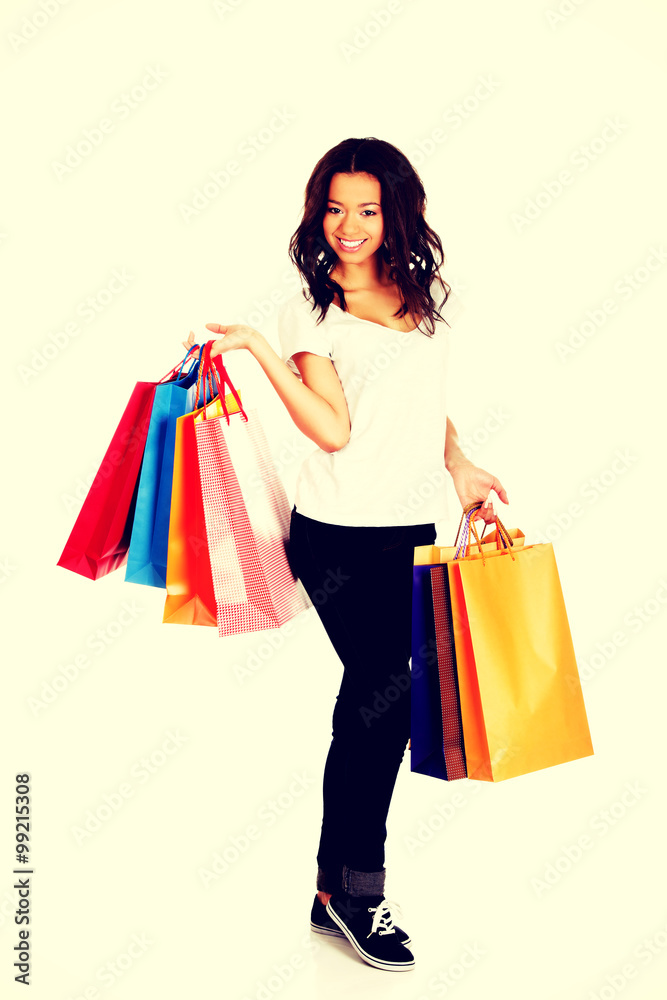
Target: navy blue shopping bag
column 437, row 746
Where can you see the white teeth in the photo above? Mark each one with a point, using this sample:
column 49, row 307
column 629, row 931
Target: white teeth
column 351, row 243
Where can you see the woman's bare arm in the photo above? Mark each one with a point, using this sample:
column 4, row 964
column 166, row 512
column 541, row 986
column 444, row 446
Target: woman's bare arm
column 316, row 402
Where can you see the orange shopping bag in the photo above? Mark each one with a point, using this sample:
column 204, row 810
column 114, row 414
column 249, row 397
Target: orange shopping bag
column 522, row 706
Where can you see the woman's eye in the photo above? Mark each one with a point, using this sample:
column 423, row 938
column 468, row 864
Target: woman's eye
column 332, row 208
column 369, row 211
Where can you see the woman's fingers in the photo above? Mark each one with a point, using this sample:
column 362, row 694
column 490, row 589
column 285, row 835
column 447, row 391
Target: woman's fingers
column 500, row 490
column 498, row 487
column 485, row 512
column 214, row 328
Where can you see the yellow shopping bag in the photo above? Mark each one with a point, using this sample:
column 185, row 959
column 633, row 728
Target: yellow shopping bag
column 522, row 707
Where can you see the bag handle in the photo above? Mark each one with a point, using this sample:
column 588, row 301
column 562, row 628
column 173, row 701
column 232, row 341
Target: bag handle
column 209, row 373
column 502, row 535
column 170, row 376
column 222, row 378
column 503, row 538
column 204, row 380
column 467, row 522
column 192, row 359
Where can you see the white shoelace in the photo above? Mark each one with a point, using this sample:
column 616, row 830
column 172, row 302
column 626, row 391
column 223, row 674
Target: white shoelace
column 383, row 918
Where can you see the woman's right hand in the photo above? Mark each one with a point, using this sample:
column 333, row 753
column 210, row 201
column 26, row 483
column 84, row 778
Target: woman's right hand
column 234, row 337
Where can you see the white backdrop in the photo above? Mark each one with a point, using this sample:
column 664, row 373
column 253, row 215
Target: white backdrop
column 538, row 130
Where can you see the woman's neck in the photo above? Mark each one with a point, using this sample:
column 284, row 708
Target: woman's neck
column 371, row 274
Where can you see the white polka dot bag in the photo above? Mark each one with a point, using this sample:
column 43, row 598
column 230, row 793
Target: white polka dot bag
column 247, row 517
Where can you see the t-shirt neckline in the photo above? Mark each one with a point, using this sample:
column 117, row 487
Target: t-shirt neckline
column 345, row 312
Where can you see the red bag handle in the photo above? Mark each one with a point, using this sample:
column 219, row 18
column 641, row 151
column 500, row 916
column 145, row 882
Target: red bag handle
column 216, row 372
column 221, row 376
column 209, row 372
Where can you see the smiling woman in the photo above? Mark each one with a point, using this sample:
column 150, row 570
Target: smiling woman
column 353, row 227
column 363, row 372
column 367, row 190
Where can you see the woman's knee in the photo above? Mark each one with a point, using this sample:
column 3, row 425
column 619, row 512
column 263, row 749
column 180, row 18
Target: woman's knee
column 383, row 716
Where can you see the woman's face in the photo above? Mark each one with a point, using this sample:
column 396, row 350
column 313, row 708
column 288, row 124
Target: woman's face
column 353, row 223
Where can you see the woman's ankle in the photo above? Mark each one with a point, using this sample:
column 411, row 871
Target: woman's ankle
column 324, row 897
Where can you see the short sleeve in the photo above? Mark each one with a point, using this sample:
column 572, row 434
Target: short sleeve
column 297, row 331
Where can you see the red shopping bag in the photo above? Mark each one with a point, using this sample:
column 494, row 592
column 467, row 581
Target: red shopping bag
column 100, row 538
column 247, row 517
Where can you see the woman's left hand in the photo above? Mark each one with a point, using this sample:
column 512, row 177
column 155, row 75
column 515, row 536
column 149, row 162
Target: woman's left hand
column 473, row 484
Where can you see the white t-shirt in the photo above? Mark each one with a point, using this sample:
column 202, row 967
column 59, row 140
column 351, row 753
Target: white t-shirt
column 392, row 469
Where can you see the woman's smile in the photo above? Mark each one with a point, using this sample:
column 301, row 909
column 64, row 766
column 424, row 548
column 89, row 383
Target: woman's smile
column 350, row 245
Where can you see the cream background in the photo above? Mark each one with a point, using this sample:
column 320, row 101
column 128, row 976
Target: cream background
column 470, row 885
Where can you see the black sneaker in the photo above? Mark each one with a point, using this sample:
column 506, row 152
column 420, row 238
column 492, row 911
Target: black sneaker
column 321, row 923
column 367, row 923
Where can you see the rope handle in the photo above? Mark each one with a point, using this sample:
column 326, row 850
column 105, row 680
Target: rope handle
column 178, row 368
column 503, row 539
column 193, row 362
column 503, row 535
column 467, row 523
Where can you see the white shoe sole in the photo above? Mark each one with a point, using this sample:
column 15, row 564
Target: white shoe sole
column 326, row 930
column 339, row 934
column 371, row 959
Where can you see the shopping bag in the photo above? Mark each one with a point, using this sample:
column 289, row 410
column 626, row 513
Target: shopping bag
column 190, row 598
column 247, row 517
column 436, row 744
column 100, row 537
column 521, row 701
column 147, row 553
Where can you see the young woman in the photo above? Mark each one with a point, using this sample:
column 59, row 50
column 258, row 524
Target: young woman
column 363, row 373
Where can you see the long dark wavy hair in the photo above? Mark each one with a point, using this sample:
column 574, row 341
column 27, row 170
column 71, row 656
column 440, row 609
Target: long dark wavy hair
column 411, row 249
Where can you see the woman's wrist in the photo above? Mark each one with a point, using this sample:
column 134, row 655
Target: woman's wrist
column 257, row 344
column 456, row 461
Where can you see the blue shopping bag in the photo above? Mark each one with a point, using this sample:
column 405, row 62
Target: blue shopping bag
column 147, row 553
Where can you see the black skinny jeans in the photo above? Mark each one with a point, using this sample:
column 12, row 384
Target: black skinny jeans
column 360, row 582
